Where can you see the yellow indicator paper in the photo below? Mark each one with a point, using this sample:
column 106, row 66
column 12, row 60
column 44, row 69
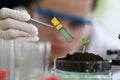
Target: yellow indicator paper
column 58, row 27
column 55, row 21
column 61, row 29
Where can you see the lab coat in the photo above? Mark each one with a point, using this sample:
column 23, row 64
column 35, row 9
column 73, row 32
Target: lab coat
column 100, row 42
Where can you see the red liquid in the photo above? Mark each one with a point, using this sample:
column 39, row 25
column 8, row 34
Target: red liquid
column 52, row 78
column 2, row 74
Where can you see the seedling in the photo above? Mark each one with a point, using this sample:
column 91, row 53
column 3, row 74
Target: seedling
column 84, row 43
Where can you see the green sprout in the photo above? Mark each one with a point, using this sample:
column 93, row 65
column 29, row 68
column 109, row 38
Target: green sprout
column 85, row 43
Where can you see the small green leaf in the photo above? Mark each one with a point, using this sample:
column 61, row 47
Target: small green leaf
column 85, row 41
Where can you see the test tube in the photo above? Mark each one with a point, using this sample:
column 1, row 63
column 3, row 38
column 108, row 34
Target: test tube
column 31, row 60
column 61, row 29
column 6, row 60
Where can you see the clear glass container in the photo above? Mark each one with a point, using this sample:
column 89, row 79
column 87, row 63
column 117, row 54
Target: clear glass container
column 24, row 60
column 83, row 70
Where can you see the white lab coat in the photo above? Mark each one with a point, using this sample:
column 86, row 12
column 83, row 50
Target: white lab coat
column 100, row 42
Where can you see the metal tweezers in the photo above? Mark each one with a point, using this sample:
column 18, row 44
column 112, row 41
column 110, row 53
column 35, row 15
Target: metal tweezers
column 36, row 22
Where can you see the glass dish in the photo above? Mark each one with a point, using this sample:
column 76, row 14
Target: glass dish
column 83, row 70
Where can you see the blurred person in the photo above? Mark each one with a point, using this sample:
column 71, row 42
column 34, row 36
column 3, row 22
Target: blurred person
column 77, row 18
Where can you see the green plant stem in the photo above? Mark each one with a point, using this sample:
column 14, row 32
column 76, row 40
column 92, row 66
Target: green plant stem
column 84, row 48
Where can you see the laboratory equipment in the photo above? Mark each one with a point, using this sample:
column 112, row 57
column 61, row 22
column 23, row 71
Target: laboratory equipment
column 36, row 22
column 115, row 56
column 6, row 60
column 57, row 25
column 61, row 29
column 93, row 70
column 24, row 60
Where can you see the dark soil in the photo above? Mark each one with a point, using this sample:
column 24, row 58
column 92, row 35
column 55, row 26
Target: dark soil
column 82, row 57
column 82, row 62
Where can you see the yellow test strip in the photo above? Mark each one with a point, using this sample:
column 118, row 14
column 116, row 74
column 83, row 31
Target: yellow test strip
column 56, row 23
column 58, row 27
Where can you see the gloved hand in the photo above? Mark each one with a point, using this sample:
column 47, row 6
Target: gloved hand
column 14, row 27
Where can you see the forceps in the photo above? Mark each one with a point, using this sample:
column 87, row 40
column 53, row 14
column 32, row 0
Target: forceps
column 36, row 22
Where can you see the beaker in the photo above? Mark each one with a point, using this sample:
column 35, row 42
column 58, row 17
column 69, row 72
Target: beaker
column 24, row 60
column 31, row 60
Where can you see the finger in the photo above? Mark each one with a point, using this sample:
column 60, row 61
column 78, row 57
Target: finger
column 9, row 13
column 14, row 24
column 28, row 39
column 24, row 11
column 13, row 33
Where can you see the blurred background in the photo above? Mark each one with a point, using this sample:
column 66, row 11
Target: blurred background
column 108, row 16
